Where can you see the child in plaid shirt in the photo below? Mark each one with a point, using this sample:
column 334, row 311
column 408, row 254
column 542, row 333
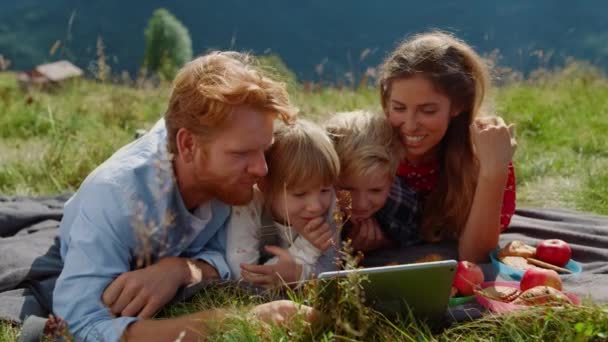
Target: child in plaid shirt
column 369, row 152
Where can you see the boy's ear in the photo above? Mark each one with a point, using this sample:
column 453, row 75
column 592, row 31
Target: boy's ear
column 263, row 184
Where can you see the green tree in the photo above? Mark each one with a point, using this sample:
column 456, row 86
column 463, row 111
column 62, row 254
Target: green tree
column 168, row 44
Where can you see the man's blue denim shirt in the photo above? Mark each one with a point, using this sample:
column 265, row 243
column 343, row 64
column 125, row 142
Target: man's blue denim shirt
column 130, row 199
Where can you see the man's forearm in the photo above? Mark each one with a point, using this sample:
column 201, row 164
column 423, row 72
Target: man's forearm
column 194, row 327
column 192, row 271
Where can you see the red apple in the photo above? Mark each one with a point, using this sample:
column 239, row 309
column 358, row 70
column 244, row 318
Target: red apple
column 468, row 276
column 554, row 251
column 537, row 276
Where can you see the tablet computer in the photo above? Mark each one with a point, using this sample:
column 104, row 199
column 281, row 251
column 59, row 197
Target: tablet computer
column 423, row 289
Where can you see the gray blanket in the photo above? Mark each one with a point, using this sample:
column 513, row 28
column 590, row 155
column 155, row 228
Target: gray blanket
column 30, row 262
column 29, row 255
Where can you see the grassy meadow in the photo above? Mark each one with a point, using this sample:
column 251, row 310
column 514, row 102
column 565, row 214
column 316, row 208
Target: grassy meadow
column 51, row 140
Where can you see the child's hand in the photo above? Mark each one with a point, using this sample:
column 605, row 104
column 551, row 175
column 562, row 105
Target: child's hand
column 318, row 233
column 285, row 271
column 367, row 236
column 494, row 145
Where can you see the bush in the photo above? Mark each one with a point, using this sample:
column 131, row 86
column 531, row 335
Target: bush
column 168, row 44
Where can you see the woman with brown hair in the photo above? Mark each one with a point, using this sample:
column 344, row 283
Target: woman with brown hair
column 432, row 88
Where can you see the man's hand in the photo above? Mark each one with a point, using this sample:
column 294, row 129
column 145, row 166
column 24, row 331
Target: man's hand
column 143, row 292
column 318, row 233
column 282, row 312
column 367, row 236
column 286, row 270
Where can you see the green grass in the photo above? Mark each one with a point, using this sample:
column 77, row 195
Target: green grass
column 587, row 322
column 50, row 141
column 562, row 149
column 8, row 332
column 584, row 323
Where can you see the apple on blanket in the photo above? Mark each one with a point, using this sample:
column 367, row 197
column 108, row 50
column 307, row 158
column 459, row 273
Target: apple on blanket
column 468, row 277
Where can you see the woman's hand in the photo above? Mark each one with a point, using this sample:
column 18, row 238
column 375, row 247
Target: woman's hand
column 494, row 145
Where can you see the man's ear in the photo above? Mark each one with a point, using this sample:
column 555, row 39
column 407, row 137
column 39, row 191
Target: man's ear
column 263, row 184
column 185, row 144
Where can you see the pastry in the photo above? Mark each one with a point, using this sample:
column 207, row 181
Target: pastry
column 518, row 262
column 501, row 293
column 542, row 295
column 517, row 248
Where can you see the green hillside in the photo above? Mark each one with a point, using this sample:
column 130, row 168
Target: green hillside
column 342, row 35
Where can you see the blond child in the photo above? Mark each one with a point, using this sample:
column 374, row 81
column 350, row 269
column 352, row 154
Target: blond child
column 369, row 152
column 281, row 234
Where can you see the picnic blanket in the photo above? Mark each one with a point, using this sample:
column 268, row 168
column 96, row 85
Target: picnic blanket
column 30, row 262
column 29, row 255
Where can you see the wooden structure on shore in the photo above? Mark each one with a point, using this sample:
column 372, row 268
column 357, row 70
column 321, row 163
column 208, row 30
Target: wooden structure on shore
column 48, row 75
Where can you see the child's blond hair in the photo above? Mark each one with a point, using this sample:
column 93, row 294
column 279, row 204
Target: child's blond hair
column 301, row 155
column 365, row 142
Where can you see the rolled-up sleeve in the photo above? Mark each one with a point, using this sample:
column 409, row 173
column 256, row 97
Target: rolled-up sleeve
column 214, row 253
column 97, row 252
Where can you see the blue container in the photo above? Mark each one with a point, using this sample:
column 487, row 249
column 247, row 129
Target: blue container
column 515, row 274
